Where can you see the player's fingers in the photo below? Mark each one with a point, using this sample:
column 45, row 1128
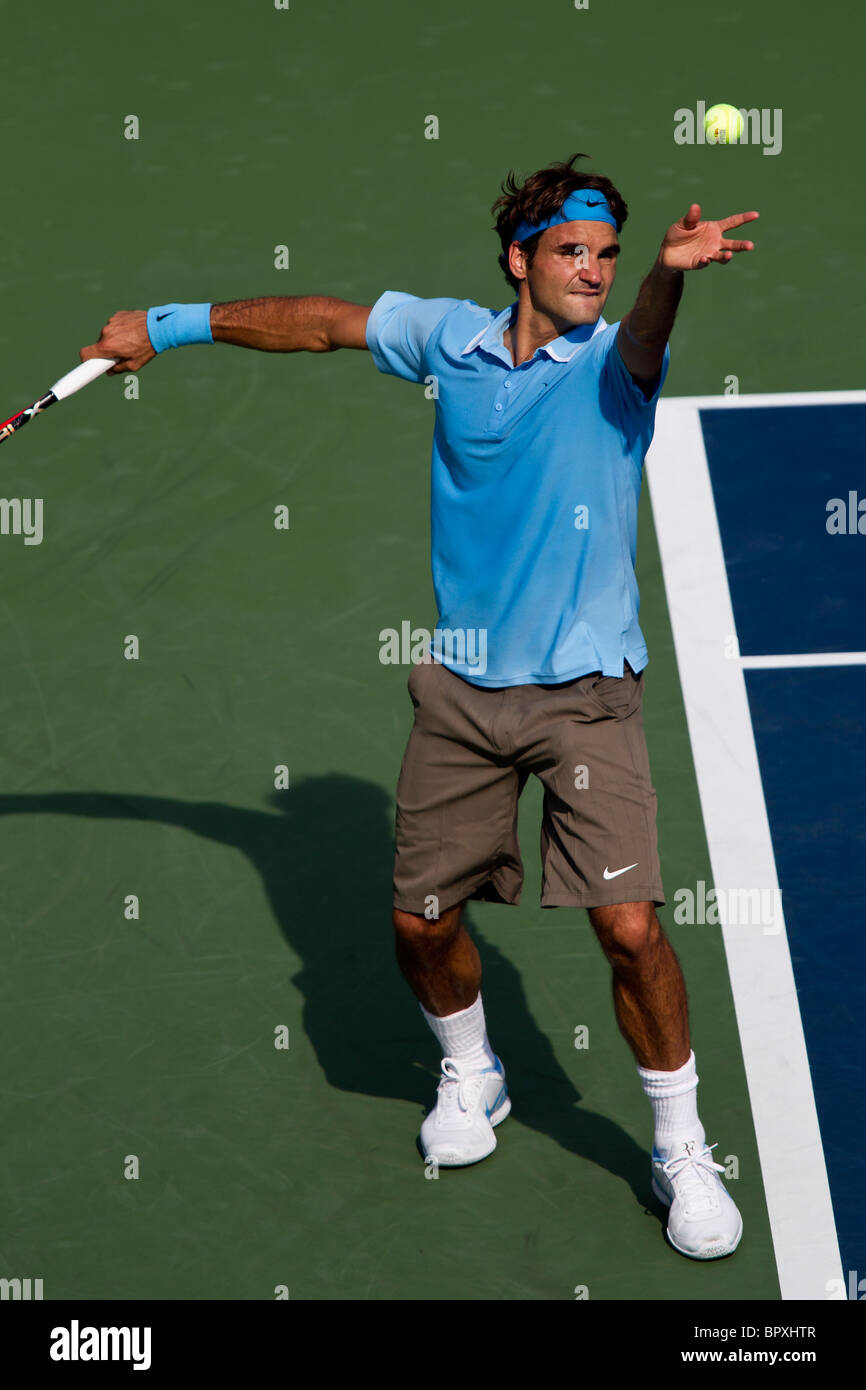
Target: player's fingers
column 693, row 216
column 131, row 364
column 737, row 220
column 93, row 350
column 739, row 246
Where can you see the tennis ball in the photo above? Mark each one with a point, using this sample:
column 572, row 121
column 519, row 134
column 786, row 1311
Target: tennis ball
column 723, row 125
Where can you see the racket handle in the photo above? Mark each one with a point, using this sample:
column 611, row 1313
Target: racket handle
column 81, row 376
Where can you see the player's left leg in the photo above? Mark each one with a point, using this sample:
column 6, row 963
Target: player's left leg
column 649, row 992
column 585, row 741
column 652, row 1012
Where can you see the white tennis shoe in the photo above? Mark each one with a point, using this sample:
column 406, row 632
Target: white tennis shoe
column 703, row 1221
column 459, row 1129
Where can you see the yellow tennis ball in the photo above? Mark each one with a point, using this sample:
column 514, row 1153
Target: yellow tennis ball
column 723, row 125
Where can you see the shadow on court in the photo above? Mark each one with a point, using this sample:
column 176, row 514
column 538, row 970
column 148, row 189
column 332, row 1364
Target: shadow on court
column 325, row 855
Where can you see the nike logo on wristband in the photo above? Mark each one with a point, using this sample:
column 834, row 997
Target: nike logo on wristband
column 160, row 317
column 616, row 873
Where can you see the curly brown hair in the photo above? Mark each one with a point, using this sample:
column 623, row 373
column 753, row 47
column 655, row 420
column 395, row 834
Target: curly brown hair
column 539, row 196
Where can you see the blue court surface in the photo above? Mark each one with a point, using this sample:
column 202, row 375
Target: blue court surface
column 757, row 507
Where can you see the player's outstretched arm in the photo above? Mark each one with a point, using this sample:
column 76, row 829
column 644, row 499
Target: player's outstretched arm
column 308, row 323
column 277, row 323
column 689, row 244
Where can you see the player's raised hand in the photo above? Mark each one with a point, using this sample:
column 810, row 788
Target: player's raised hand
column 691, row 244
column 124, row 337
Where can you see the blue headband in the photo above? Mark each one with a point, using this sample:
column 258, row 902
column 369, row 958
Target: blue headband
column 584, row 205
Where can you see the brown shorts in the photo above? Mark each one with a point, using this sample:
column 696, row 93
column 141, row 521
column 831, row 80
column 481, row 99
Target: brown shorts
column 469, row 755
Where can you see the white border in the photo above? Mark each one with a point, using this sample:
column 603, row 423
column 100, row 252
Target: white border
column 738, row 836
column 764, row 663
column 692, row 403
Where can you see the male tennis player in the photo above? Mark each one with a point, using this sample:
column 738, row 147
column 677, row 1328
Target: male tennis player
column 544, row 413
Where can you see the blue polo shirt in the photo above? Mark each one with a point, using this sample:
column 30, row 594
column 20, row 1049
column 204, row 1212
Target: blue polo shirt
column 534, row 492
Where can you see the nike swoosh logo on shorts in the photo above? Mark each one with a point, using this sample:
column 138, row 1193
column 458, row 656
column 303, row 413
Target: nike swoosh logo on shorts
column 616, row 873
column 160, row 317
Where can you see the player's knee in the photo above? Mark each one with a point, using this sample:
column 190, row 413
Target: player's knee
column 415, row 929
column 627, row 931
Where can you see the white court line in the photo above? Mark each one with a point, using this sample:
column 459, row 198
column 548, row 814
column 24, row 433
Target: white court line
column 692, row 403
column 738, row 836
column 766, row 663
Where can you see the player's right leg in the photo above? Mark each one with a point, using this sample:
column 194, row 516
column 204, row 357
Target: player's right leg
column 439, row 960
column 455, row 839
column 441, row 964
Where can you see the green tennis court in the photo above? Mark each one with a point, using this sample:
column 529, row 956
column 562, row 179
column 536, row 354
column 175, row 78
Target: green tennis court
column 264, row 907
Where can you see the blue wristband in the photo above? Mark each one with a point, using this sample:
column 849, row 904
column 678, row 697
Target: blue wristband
column 175, row 325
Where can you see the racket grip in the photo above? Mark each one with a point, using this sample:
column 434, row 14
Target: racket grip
column 81, row 376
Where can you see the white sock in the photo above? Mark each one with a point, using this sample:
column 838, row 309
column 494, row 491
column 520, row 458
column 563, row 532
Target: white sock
column 464, row 1036
column 674, row 1099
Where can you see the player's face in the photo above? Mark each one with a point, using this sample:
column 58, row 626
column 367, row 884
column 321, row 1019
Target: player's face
column 572, row 271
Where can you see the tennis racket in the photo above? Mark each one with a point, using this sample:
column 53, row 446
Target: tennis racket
column 66, row 386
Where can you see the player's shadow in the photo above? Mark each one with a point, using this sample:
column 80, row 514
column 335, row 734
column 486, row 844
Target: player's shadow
column 325, row 854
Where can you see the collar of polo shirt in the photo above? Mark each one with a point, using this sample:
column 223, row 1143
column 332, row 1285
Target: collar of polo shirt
column 561, row 349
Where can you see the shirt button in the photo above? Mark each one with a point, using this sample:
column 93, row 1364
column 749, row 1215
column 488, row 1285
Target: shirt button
column 498, row 405
column 507, row 385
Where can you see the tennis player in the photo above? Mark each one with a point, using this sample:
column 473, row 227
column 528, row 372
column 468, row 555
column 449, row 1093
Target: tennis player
column 544, row 413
